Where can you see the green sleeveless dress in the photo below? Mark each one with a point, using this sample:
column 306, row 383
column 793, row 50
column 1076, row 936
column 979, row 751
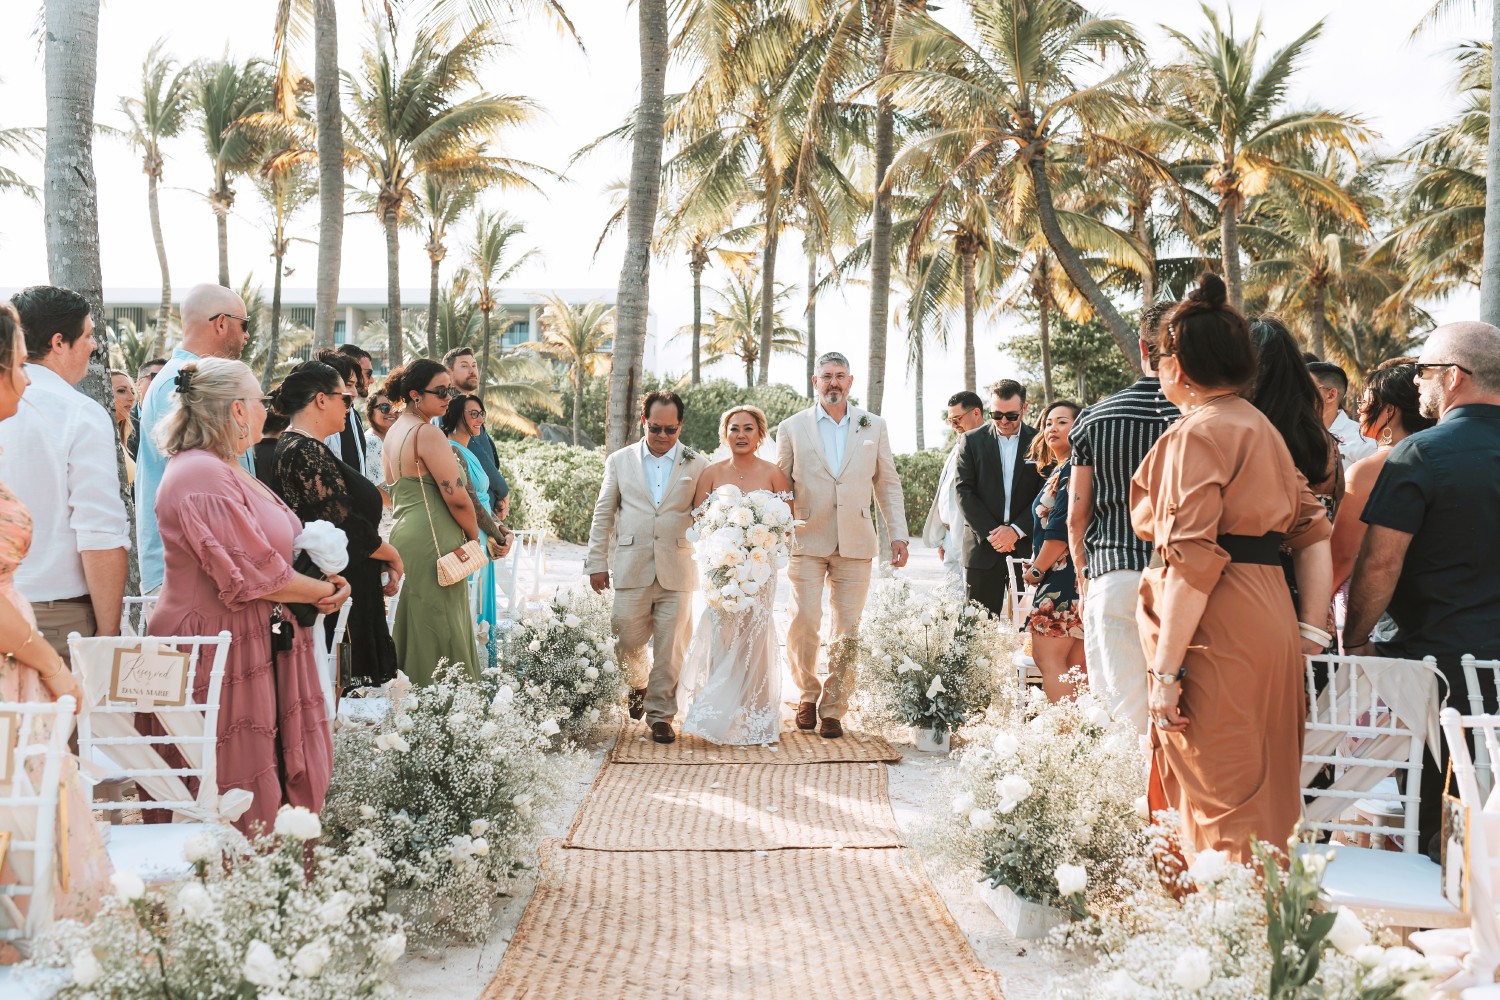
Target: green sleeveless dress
column 432, row 621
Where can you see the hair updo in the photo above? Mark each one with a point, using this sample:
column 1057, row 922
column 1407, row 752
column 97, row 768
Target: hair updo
column 1390, row 384
column 414, row 376
column 756, row 414
column 302, row 385
column 203, row 418
column 1210, row 338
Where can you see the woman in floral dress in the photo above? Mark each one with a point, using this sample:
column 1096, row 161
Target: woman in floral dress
column 1054, row 623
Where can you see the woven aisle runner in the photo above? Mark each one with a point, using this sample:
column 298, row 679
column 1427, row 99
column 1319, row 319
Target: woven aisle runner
column 635, row 746
column 738, row 879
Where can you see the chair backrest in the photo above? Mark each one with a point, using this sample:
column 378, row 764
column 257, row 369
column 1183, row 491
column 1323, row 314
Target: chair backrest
column 328, row 657
column 135, row 615
column 106, row 729
column 1370, row 720
column 1484, row 821
column 1019, row 594
column 28, row 811
column 519, row 575
column 1484, row 760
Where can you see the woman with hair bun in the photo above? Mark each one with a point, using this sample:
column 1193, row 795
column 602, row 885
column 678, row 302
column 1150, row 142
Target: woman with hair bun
column 1218, row 495
column 318, row 486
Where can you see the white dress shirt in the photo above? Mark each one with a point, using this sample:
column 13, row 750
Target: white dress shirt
column 949, row 511
column 1010, row 448
column 658, row 471
column 1353, row 445
column 835, row 435
column 58, row 454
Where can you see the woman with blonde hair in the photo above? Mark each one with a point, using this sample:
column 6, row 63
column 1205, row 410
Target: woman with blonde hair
column 227, row 542
column 123, row 390
column 730, row 689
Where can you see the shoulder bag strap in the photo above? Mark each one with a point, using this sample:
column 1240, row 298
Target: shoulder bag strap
column 417, row 457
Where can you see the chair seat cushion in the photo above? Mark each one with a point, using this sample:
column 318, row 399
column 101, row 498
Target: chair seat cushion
column 1405, row 889
column 152, row 850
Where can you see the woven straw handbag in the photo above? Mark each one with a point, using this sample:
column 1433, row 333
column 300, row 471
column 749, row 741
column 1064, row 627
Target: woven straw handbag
column 458, row 565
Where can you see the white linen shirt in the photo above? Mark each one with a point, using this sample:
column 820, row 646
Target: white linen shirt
column 835, row 435
column 59, row 458
column 949, row 511
column 1353, row 445
column 658, row 470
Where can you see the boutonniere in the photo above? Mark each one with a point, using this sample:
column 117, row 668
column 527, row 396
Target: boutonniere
column 689, row 455
column 864, row 422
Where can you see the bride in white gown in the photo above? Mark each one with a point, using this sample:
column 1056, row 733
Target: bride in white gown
column 730, row 688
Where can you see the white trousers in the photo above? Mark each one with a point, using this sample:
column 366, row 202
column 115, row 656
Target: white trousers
column 1112, row 640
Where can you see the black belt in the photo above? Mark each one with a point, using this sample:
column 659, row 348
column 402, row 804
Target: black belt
column 1254, row 550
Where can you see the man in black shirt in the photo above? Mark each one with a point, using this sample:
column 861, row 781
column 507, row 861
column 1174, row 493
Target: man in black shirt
column 1431, row 554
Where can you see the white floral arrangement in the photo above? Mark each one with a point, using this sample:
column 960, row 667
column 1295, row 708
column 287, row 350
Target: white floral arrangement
column 256, row 919
column 929, row 658
column 1051, row 808
column 742, row 539
column 452, row 786
column 559, row 664
column 1232, row 932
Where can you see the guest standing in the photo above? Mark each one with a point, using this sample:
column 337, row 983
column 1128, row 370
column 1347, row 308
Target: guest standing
column 319, row 487
column 462, row 423
column 1054, row 623
column 348, row 442
column 434, row 516
column 1332, row 385
column 1218, row 495
column 380, row 414
column 462, row 365
column 143, row 380
column 944, row 529
column 123, row 394
column 227, row 566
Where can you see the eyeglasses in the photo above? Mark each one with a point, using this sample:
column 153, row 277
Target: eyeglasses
column 474, row 414
column 1009, row 415
column 446, row 392
column 385, row 408
column 1422, row 367
column 660, row 431
column 837, row 379
column 347, row 397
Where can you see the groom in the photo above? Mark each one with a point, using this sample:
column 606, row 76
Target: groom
column 640, row 522
column 838, row 457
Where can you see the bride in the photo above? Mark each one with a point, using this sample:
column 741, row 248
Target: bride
column 730, row 691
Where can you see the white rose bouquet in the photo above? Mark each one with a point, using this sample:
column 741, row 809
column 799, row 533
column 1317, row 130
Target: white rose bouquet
column 929, row 658
column 559, row 664
column 742, row 538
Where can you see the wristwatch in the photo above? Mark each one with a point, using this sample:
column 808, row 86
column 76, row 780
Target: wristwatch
column 1170, row 678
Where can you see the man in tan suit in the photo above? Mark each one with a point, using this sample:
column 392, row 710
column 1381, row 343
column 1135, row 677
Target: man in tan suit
column 838, row 458
column 640, row 524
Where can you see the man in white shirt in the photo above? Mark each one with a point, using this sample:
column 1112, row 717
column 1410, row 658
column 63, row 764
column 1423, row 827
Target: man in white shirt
column 1333, row 385
column 945, row 520
column 58, row 454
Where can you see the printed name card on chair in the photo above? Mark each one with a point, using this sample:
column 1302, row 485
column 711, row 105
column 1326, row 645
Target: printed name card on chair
column 149, row 676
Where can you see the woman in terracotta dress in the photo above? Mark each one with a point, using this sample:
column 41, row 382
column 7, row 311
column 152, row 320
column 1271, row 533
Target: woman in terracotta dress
column 227, row 540
column 1218, row 495
column 31, row 671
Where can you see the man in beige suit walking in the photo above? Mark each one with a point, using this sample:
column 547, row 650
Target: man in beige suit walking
column 640, row 525
column 838, row 458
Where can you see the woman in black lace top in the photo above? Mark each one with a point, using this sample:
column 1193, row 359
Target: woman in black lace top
column 320, row 487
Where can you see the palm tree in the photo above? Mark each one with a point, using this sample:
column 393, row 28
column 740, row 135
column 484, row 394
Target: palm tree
column 159, row 112
column 580, row 337
column 406, row 119
column 226, row 94
column 440, row 203
column 930, row 304
column 18, row 142
column 488, row 266
column 734, row 327
column 1229, row 118
column 287, row 183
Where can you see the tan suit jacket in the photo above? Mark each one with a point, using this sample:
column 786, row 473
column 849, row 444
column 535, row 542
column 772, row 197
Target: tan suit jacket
column 835, row 503
column 643, row 542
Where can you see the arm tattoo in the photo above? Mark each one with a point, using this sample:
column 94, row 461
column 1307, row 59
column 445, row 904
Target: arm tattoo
column 447, row 487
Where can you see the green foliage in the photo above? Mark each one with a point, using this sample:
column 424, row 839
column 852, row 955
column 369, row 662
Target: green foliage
column 552, row 486
column 1086, row 362
column 920, row 472
column 1295, row 931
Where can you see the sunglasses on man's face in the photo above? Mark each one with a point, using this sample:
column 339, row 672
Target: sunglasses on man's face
column 659, row 431
column 1007, row 415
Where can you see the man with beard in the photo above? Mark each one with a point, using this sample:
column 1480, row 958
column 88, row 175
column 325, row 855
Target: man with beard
column 1430, row 554
column 464, row 368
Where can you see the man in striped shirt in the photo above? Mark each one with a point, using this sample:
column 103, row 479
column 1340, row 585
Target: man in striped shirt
column 1109, row 441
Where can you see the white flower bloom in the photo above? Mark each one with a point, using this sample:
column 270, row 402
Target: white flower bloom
column 194, row 901
column 200, row 848
column 549, row 727
column 535, row 645
column 924, row 619
column 478, row 827
column 522, row 803
column 480, row 847
column 404, row 724
column 982, row 819
column 1071, row 879
column 1209, row 868
column 936, row 687
column 367, row 812
column 488, row 731
column 1096, row 715
column 593, row 715
column 1193, row 969
column 457, row 721
column 1347, row 934
column 1005, row 745
column 1402, row 959
column 592, row 673
column 1369, row 955
column 262, row 967
column 1014, row 787
column 572, row 621
column 86, row 968
column 128, row 885
column 584, row 663
column 335, row 911
column 391, row 948
column 298, row 823
column 311, row 958
column 963, row 802
column 503, row 697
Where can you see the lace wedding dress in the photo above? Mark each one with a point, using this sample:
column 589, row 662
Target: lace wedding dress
column 730, row 688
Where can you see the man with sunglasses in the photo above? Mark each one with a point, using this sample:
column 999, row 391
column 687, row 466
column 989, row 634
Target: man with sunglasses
column 214, row 325
column 348, row 445
column 944, row 529
column 996, row 485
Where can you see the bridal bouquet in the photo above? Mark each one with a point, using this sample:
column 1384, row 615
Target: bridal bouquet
column 742, row 539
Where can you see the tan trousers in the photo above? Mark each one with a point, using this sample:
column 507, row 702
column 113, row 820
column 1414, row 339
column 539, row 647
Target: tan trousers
column 665, row 617
column 848, row 586
column 57, row 619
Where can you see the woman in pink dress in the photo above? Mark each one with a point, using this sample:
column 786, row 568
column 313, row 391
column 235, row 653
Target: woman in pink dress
column 227, row 541
column 31, row 671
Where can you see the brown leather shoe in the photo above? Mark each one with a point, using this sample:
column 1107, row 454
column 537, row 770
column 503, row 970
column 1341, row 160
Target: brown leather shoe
column 807, row 716
column 662, row 732
column 831, row 729
column 637, row 702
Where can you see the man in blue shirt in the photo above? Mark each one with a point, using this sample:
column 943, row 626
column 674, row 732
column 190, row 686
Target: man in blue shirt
column 465, row 371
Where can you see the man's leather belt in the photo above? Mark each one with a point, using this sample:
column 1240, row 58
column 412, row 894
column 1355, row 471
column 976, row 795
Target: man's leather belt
column 1254, row 550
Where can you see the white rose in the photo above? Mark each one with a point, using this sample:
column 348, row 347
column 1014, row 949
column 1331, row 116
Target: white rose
column 488, row 731
column 1402, row 959
column 982, row 819
column 572, row 621
column 592, row 673
column 1193, row 969
column 535, row 645
column 194, row 901
column 742, row 517
column 298, row 823
column 1209, row 868
column 751, row 587
column 593, row 715
column 522, row 803
column 549, row 727
column 1014, row 787
column 311, row 958
column 128, row 885
column 1096, row 715
column 963, row 802
column 581, row 648
column 456, row 722
column 86, row 968
column 391, row 948
column 366, row 812
column 1071, row 879
column 584, row 662
column 924, row 619
column 480, row 847
column 1005, row 745
column 200, row 848
column 404, row 724
column 262, row 968
column 1369, row 955
column 1347, row 934
column 503, row 697
column 334, row 912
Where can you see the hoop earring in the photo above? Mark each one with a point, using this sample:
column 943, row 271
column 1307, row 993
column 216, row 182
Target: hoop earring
column 1386, row 437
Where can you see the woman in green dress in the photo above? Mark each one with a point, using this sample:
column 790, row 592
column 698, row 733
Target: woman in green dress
column 433, row 516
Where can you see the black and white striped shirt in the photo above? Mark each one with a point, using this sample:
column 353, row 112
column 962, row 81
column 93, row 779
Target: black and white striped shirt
column 1112, row 437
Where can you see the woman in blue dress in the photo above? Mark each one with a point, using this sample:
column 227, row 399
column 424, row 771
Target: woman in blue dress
column 462, row 423
column 1054, row 622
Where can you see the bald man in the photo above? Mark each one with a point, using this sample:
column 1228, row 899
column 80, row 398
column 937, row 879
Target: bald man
column 214, row 325
column 1431, row 556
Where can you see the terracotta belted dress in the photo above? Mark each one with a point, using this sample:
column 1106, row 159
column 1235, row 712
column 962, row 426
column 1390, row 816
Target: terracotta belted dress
column 1233, row 774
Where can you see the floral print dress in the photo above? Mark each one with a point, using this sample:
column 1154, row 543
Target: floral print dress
column 1054, row 611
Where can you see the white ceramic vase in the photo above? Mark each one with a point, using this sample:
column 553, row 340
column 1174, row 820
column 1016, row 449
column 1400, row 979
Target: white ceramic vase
column 930, row 740
column 1022, row 917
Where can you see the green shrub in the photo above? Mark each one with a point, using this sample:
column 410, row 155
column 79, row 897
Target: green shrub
column 920, row 472
column 553, row 486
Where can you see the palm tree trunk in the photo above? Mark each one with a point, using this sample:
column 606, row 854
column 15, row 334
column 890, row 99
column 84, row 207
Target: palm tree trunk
column 432, row 303
column 330, row 169
column 274, row 344
column 484, row 370
column 221, row 198
column 1317, row 321
column 810, row 314
column 749, row 373
column 967, row 253
column 1043, row 333
column 1143, row 233
column 1489, row 282
column 393, row 325
column 578, row 402
column 696, row 266
column 1229, row 243
column 1127, row 339
column 880, row 240
column 164, row 308
column 918, row 368
column 633, row 295
column 768, row 272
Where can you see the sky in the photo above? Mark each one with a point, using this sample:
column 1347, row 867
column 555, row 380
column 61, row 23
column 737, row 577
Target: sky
column 1365, row 62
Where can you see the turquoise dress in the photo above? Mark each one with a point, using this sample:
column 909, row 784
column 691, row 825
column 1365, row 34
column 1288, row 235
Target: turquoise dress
column 484, row 579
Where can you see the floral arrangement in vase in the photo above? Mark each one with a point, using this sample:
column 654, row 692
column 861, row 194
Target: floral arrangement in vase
column 268, row 918
column 742, row 538
column 450, row 785
column 559, row 664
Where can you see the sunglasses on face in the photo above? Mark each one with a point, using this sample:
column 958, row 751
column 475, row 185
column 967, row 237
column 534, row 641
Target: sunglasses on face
column 1008, row 415
column 660, row 431
column 243, row 321
column 446, row 392
column 385, row 408
column 347, row 397
column 955, row 421
column 1422, row 367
